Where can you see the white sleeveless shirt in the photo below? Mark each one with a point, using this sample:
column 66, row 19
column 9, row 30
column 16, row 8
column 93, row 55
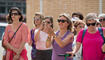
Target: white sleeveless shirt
column 41, row 43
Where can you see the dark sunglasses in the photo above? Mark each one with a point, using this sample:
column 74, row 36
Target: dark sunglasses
column 102, row 20
column 14, row 14
column 93, row 24
column 48, row 22
column 63, row 21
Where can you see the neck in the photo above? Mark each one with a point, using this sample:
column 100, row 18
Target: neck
column 93, row 30
column 62, row 31
column 37, row 26
column 15, row 22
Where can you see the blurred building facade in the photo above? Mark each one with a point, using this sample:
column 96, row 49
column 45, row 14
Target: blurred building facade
column 5, row 5
column 56, row 7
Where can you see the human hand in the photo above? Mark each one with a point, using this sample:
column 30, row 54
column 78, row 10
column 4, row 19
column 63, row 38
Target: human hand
column 71, row 54
column 17, row 51
column 103, row 48
column 16, row 57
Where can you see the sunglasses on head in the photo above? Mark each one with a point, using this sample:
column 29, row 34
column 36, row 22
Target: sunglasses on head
column 102, row 19
column 14, row 14
column 36, row 18
column 61, row 20
column 93, row 24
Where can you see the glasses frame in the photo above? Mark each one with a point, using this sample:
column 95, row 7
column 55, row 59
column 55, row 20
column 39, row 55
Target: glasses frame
column 61, row 20
column 92, row 24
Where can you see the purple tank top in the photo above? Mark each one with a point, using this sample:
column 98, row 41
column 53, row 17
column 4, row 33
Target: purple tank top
column 58, row 50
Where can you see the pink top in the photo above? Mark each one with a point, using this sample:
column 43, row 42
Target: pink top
column 21, row 35
column 92, row 44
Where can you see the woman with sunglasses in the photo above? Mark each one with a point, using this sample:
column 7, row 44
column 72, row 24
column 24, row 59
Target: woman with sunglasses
column 78, row 25
column 15, row 47
column 40, row 38
column 62, row 40
column 37, row 22
column 92, row 40
column 102, row 19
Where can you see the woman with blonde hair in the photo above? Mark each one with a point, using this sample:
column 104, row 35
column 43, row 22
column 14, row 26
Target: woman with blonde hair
column 62, row 40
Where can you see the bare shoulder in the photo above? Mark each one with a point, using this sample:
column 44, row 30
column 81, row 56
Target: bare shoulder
column 71, row 35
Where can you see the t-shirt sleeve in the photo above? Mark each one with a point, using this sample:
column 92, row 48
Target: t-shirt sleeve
column 79, row 36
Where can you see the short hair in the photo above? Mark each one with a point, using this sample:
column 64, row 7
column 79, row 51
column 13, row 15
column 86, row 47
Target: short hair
column 9, row 19
column 78, row 14
column 91, row 16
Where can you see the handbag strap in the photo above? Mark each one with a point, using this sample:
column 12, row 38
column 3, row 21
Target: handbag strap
column 15, row 32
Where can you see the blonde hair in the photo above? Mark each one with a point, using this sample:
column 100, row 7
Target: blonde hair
column 67, row 16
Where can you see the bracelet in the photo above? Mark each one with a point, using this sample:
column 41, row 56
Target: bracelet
column 48, row 38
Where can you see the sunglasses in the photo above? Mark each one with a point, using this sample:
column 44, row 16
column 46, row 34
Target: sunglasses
column 63, row 21
column 93, row 24
column 15, row 14
column 36, row 18
column 48, row 22
column 102, row 20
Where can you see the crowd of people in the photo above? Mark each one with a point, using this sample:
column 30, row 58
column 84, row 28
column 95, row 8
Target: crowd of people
column 81, row 38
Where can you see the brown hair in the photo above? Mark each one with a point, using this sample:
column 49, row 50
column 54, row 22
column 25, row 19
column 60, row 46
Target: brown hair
column 9, row 19
column 51, row 19
column 78, row 22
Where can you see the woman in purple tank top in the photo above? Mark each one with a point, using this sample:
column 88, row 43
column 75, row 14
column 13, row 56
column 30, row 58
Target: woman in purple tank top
column 62, row 40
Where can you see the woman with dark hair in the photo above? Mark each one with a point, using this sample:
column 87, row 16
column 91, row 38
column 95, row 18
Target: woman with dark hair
column 78, row 14
column 49, row 20
column 16, row 35
column 62, row 40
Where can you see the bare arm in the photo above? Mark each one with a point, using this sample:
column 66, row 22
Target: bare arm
column 78, row 44
column 49, row 42
column 36, row 37
column 67, row 40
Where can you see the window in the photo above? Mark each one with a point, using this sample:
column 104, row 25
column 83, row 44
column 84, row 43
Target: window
column 10, row 3
column 2, row 9
column 2, row 29
column 2, row 3
column 24, row 10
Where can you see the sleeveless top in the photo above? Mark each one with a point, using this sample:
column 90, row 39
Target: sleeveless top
column 58, row 50
column 33, row 51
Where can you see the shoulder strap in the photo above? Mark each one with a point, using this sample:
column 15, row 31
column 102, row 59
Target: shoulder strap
column 83, row 34
column 101, row 33
column 15, row 32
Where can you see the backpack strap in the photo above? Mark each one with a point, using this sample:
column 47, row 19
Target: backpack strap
column 83, row 34
column 84, row 31
column 101, row 33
